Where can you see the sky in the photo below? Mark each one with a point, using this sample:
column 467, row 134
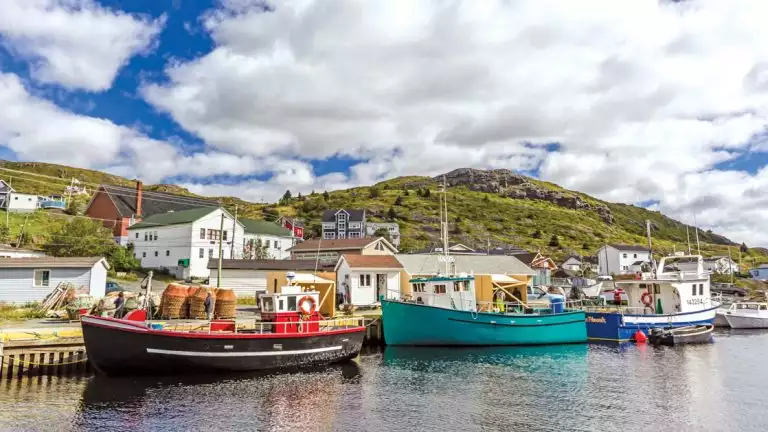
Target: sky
column 657, row 103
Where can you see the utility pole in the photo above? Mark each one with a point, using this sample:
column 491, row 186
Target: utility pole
column 21, row 233
column 221, row 248
column 234, row 230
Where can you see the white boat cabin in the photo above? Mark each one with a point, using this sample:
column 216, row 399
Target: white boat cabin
column 680, row 285
column 288, row 301
column 450, row 292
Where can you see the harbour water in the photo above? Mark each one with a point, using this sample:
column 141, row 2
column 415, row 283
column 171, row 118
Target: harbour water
column 717, row 387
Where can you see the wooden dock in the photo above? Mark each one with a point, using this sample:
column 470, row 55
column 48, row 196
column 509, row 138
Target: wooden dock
column 59, row 355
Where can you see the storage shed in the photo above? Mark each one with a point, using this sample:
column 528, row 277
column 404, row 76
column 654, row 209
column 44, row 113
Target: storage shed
column 24, row 280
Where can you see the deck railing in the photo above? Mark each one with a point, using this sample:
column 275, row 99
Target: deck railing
column 256, row 326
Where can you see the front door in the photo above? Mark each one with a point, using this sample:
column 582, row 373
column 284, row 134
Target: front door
column 381, row 286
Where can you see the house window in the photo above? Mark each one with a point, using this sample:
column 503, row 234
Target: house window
column 623, row 255
column 635, row 255
column 625, row 267
column 210, row 253
column 693, row 291
column 143, row 254
column 701, row 289
column 329, row 235
column 440, row 289
column 42, row 278
column 213, row 234
column 365, row 280
column 354, row 234
column 202, row 234
column 146, row 236
column 224, row 236
column 156, row 253
column 155, row 235
column 342, row 235
column 167, row 253
column 137, row 235
column 202, row 253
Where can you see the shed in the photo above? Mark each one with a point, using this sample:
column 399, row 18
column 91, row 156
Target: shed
column 364, row 279
column 25, row 280
column 248, row 278
column 21, row 203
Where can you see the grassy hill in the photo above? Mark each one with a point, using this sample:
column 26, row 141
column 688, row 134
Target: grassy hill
column 485, row 207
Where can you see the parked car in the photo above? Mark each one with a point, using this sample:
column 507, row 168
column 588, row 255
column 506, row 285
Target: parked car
column 729, row 289
column 113, row 287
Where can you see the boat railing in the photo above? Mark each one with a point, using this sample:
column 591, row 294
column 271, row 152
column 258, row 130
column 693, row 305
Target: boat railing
column 256, row 326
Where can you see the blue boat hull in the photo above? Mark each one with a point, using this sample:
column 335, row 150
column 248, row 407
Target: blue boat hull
column 420, row 325
column 612, row 327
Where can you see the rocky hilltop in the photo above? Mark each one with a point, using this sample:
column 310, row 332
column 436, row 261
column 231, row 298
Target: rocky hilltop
column 508, row 184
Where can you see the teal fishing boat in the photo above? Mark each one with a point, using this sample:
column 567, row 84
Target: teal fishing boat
column 442, row 311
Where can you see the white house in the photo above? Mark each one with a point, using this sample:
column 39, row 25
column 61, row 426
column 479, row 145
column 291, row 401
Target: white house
column 21, row 203
column 363, row 279
column 573, row 263
column 721, row 265
column 183, row 241
column 393, row 228
column 7, row 251
column 24, row 280
column 276, row 239
column 621, row 259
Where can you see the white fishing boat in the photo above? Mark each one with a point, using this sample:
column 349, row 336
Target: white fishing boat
column 675, row 295
column 747, row 315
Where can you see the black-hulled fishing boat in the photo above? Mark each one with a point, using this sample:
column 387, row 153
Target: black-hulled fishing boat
column 699, row 334
column 290, row 335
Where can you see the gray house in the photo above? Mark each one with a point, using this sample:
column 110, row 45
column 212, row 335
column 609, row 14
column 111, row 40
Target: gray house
column 24, row 280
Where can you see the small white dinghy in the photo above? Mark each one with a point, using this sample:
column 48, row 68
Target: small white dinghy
column 747, row 315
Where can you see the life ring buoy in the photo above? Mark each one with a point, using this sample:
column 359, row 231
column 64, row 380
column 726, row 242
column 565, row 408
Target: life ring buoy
column 646, row 298
column 307, row 305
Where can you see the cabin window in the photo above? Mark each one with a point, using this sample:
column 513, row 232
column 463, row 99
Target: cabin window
column 167, row 253
column 656, row 289
column 365, row 280
column 693, row 292
column 202, row 253
column 202, row 234
column 268, row 304
column 457, row 286
column 282, row 305
column 155, row 253
column 292, row 303
column 643, row 286
column 440, row 289
column 701, row 289
column 42, row 278
column 418, row 287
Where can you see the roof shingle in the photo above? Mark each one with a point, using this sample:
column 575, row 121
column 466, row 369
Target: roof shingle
column 152, row 202
column 372, row 261
column 254, row 226
column 355, row 215
column 174, row 217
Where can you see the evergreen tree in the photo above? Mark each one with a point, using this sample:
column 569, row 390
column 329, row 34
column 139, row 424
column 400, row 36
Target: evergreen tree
column 399, row 200
column 392, row 214
column 744, row 248
column 427, row 193
column 537, row 234
column 326, row 196
column 374, row 193
column 287, row 195
column 554, row 241
column 383, row 232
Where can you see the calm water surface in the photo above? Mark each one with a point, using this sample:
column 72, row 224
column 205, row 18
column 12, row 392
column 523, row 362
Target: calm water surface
column 718, row 387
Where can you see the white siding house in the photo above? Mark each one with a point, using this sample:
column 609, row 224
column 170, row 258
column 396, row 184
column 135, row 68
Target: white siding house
column 572, row 263
column 721, row 265
column 7, row 251
column 364, row 279
column 621, row 259
column 182, row 242
column 24, row 280
column 21, row 203
column 275, row 239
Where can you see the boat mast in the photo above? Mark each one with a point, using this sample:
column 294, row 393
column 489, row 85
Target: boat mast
column 444, row 224
column 688, row 238
column 696, row 227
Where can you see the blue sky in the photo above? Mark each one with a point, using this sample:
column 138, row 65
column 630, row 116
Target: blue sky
column 225, row 97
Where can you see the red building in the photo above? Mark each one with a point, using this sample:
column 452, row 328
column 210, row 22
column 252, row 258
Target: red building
column 119, row 207
column 295, row 225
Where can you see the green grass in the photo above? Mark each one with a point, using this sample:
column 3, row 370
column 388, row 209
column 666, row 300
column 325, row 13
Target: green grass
column 249, row 301
column 20, row 313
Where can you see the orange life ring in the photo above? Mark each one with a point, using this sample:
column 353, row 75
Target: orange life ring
column 646, row 298
column 307, row 310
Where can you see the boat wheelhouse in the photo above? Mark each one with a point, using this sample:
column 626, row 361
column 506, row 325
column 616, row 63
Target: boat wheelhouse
column 677, row 294
column 747, row 315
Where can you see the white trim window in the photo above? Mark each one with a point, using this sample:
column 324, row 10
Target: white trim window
column 42, row 278
column 329, row 235
column 365, row 280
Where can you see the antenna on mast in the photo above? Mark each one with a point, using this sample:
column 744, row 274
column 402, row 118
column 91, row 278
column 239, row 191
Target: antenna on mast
column 688, row 238
column 444, row 224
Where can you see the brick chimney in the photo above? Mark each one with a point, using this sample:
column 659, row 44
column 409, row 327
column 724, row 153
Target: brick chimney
column 139, row 191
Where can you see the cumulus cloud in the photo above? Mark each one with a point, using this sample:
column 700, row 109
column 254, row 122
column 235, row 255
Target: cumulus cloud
column 645, row 98
column 75, row 43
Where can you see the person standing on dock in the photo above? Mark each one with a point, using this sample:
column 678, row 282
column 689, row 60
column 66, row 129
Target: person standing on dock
column 119, row 305
column 208, row 303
